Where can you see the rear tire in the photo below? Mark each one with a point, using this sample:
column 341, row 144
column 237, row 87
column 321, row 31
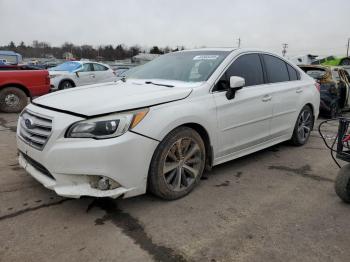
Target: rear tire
column 177, row 164
column 65, row 85
column 342, row 183
column 303, row 127
column 12, row 100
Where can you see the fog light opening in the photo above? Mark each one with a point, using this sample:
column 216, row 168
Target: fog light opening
column 103, row 183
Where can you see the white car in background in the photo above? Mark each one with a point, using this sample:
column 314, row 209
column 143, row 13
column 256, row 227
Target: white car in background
column 79, row 73
column 162, row 125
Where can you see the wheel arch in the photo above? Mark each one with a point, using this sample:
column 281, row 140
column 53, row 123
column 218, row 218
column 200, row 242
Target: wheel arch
column 201, row 130
column 67, row 79
column 312, row 107
column 19, row 86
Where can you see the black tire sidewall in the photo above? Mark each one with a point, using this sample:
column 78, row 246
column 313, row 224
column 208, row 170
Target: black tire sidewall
column 341, row 184
column 23, row 100
column 156, row 180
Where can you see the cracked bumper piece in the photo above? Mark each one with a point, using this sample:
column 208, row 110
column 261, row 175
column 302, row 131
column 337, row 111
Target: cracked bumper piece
column 68, row 165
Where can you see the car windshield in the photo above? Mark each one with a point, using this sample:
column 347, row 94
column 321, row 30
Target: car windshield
column 67, row 66
column 188, row 66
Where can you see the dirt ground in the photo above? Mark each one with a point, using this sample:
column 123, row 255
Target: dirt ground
column 275, row 205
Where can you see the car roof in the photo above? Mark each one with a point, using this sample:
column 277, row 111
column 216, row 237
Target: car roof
column 238, row 50
column 88, row 61
column 228, row 49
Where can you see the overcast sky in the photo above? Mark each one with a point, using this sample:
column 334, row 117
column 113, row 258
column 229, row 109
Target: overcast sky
column 308, row 26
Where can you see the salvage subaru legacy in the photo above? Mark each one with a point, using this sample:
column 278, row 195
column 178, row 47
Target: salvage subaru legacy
column 160, row 127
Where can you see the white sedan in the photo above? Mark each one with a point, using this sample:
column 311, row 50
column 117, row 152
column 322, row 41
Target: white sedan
column 78, row 73
column 162, row 125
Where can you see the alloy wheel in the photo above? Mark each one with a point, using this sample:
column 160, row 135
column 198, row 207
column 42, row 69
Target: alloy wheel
column 182, row 164
column 304, row 125
column 12, row 100
column 67, row 85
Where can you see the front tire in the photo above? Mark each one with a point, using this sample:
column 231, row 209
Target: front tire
column 177, row 164
column 12, row 100
column 303, row 126
column 342, row 183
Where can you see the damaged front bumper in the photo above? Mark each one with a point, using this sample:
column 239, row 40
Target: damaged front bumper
column 70, row 165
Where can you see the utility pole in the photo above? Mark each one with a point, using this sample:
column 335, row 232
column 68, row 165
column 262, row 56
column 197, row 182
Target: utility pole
column 284, row 50
column 347, row 50
column 239, row 42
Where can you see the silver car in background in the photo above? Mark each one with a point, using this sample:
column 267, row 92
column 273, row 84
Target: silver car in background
column 79, row 73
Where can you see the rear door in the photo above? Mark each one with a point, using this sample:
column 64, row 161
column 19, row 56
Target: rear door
column 244, row 121
column 103, row 73
column 286, row 90
column 86, row 76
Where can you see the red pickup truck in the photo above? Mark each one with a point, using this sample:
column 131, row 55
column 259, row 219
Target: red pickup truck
column 16, row 86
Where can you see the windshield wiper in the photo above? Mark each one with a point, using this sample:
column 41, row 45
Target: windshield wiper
column 156, row 84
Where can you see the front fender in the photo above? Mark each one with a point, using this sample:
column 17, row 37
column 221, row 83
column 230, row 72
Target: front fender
column 162, row 119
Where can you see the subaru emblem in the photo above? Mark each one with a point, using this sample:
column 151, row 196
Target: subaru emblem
column 29, row 123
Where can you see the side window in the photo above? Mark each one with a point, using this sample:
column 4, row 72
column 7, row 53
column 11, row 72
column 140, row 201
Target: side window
column 98, row 67
column 293, row 74
column 276, row 69
column 87, row 67
column 249, row 67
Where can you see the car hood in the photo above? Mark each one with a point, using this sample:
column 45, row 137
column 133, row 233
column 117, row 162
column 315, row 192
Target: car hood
column 114, row 96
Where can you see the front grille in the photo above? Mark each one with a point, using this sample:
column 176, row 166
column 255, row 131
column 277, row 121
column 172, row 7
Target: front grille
column 35, row 129
column 37, row 166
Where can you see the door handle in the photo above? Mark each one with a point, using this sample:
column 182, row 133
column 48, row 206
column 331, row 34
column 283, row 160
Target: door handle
column 93, row 76
column 266, row 98
column 299, row 90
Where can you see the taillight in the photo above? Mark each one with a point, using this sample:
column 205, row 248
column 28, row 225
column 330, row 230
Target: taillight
column 318, row 86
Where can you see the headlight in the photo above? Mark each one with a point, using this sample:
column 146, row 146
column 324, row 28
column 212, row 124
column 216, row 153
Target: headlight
column 108, row 126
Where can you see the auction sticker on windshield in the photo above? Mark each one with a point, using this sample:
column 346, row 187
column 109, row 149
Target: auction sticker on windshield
column 205, row 57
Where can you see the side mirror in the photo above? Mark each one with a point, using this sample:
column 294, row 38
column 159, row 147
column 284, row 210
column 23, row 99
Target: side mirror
column 77, row 73
column 236, row 83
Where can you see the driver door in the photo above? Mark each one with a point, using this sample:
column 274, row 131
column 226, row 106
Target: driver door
column 244, row 121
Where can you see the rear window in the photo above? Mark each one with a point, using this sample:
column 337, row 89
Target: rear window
column 276, row 69
column 293, row 74
column 98, row 67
